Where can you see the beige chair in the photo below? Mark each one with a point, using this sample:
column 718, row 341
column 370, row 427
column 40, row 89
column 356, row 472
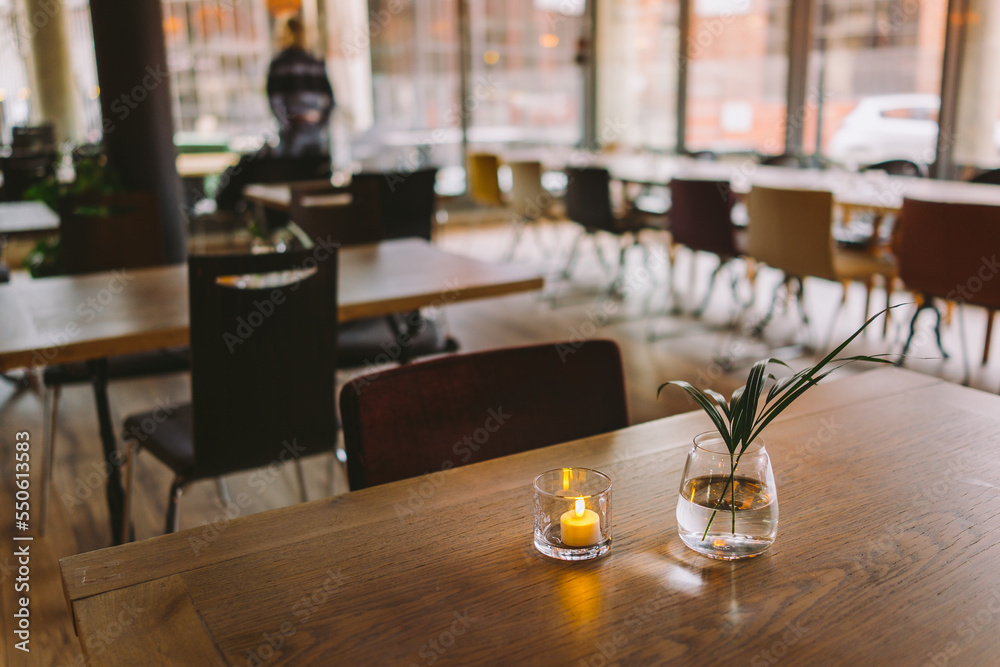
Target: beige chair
column 791, row 230
column 530, row 201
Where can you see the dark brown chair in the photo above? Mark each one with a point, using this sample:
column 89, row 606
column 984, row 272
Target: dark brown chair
column 701, row 220
column 462, row 409
column 22, row 170
column 352, row 222
column 944, row 251
column 263, row 359
column 588, row 203
column 900, row 168
column 990, row 177
column 407, row 201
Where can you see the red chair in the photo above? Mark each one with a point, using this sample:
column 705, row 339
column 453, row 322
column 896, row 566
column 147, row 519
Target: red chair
column 466, row 408
column 944, row 250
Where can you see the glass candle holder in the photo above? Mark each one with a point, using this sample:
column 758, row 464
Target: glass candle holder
column 573, row 513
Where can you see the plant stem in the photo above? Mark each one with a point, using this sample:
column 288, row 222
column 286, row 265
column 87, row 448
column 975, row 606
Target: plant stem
column 731, row 480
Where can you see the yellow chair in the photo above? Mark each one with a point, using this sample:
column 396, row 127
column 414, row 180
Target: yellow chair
column 484, row 185
column 792, row 231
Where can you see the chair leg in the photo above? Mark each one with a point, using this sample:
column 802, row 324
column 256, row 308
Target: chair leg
column 334, row 460
column 573, row 253
column 173, row 502
column 223, row 490
column 131, row 453
column 989, row 335
column 758, row 329
column 300, row 473
column 52, row 395
column 518, row 233
column 700, row 310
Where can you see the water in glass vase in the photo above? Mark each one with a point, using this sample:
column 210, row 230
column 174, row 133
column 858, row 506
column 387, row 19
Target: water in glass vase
column 756, row 516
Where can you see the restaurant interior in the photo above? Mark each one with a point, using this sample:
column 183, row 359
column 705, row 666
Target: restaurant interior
column 331, row 329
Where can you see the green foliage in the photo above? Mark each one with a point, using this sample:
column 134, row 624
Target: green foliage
column 745, row 416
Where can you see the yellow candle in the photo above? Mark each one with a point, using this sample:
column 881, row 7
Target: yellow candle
column 580, row 527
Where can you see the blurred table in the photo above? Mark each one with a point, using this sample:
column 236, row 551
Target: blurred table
column 199, row 165
column 95, row 316
column 886, row 554
column 27, row 218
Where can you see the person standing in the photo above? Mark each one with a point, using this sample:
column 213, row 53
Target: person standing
column 300, row 96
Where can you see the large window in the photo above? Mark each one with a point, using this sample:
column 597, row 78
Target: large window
column 875, row 79
column 525, row 85
column 415, row 84
column 217, row 54
column 738, row 66
column 637, row 75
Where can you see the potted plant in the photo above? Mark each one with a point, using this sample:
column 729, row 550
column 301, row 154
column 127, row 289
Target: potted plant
column 728, row 471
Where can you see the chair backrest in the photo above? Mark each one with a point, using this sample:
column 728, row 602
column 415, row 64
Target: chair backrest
column 588, row 197
column 103, row 232
column 407, row 201
column 21, row 171
column 263, row 358
column 900, row 168
column 700, row 216
column 34, row 138
column 484, row 183
column 351, row 223
column 947, row 250
column 782, row 160
column 991, row 177
column 792, row 230
column 434, row 415
column 270, row 169
column 527, row 196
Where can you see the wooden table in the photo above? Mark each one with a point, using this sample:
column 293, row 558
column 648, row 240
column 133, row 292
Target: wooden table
column 27, row 218
column 91, row 317
column 887, row 553
column 199, row 165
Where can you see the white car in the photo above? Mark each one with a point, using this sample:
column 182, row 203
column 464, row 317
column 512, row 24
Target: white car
column 888, row 127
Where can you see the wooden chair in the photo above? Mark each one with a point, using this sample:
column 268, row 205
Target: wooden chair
column 263, row 391
column 588, row 203
column 791, row 230
column 944, row 251
column 466, row 408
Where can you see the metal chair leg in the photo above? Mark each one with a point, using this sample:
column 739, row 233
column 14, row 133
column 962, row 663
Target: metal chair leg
column 173, row 502
column 52, row 395
column 518, row 233
column 573, row 253
column 758, row 329
column 223, row 490
column 300, row 473
column 700, row 310
column 334, row 460
column 131, row 453
column 989, row 335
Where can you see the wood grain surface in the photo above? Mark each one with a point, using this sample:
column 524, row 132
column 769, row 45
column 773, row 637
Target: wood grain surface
column 885, row 554
column 59, row 320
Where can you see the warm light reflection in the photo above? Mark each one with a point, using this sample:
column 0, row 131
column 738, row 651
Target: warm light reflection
column 491, row 57
column 566, row 472
column 3, row 94
column 580, row 507
column 23, row 94
column 95, row 92
column 548, row 40
column 580, row 595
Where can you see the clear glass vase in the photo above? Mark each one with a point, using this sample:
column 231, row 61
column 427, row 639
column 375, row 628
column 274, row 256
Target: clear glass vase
column 721, row 519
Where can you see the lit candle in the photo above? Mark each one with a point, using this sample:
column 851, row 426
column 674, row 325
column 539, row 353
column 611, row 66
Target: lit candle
column 580, row 527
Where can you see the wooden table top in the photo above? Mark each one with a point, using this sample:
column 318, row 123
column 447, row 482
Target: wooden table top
column 59, row 320
column 27, row 218
column 886, row 554
column 197, row 165
column 278, row 196
column 873, row 190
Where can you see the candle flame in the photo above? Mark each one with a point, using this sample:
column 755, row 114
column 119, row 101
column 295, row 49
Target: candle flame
column 580, row 507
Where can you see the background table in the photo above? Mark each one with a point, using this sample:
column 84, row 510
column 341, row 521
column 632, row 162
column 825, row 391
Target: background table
column 27, row 218
column 91, row 317
column 886, row 554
